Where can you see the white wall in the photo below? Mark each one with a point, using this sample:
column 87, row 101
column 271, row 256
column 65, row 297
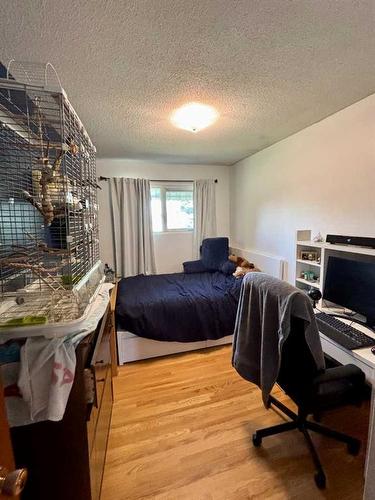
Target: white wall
column 171, row 249
column 322, row 178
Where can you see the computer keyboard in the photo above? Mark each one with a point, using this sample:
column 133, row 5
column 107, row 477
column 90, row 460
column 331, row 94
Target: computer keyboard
column 343, row 334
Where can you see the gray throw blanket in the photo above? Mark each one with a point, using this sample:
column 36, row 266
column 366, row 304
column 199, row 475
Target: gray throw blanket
column 264, row 314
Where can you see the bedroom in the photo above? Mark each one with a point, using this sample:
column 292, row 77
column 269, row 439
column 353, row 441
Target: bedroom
column 287, row 155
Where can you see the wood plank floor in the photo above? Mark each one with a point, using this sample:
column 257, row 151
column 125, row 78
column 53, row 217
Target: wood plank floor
column 182, row 427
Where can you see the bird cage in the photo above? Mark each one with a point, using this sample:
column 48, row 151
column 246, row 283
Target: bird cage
column 49, row 247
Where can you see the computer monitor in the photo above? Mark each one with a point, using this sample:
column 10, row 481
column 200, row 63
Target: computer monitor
column 351, row 284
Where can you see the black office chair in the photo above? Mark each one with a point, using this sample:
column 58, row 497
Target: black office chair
column 313, row 392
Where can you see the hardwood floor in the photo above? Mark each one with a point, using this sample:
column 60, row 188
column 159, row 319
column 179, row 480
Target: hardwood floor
column 182, row 427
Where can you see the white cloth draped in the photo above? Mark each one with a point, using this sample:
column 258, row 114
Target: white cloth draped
column 133, row 244
column 204, row 212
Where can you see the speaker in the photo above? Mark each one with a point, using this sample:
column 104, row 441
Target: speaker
column 359, row 241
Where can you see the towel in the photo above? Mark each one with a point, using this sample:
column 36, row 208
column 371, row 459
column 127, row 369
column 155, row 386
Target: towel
column 263, row 320
column 45, row 373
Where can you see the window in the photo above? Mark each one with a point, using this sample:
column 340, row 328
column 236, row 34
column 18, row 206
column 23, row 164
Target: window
column 172, row 206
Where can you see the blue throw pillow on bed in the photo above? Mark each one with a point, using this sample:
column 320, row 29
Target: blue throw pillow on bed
column 228, row 267
column 194, row 266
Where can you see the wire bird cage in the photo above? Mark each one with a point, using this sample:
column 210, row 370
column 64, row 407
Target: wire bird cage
column 49, row 247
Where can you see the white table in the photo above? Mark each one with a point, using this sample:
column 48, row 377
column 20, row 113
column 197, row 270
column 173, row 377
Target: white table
column 365, row 360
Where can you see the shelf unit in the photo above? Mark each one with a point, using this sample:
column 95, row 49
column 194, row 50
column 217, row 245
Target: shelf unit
column 323, row 250
column 308, row 270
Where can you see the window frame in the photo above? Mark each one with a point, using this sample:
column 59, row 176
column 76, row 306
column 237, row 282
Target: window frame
column 164, row 187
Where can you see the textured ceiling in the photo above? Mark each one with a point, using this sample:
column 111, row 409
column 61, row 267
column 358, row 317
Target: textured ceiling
column 270, row 67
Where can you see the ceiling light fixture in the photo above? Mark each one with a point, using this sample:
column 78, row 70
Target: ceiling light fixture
column 194, row 116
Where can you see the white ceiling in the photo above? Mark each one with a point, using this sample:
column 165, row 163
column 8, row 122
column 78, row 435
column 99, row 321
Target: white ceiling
column 270, row 67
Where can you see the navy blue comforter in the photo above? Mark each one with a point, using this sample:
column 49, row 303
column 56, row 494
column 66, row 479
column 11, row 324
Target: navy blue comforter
column 178, row 307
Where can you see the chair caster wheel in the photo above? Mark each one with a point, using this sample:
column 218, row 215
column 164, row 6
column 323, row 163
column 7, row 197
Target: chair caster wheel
column 353, row 448
column 320, row 480
column 257, row 441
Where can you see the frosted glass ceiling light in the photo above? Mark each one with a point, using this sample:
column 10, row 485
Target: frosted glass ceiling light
column 194, row 116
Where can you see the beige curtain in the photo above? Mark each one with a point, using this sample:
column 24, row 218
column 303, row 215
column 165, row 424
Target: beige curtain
column 204, row 212
column 133, row 244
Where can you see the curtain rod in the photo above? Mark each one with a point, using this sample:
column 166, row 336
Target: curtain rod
column 101, row 178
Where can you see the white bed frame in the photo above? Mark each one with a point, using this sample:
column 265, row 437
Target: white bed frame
column 134, row 348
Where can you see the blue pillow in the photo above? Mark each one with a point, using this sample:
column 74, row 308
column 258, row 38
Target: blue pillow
column 228, row 267
column 194, row 266
column 214, row 253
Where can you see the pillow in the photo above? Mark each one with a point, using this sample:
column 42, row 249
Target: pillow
column 214, row 253
column 194, row 266
column 228, row 267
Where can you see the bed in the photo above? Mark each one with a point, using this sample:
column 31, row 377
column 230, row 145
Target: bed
column 171, row 313
column 178, row 307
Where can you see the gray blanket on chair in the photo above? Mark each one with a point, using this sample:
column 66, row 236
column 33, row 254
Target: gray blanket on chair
column 263, row 320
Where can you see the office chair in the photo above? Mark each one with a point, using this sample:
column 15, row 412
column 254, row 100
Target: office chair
column 313, row 392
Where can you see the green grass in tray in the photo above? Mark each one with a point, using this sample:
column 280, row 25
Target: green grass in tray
column 25, row 321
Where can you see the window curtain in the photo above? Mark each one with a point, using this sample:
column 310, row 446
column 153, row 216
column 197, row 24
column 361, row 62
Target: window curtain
column 133, row 244
column 204, row 212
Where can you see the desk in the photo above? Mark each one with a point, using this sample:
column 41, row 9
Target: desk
column 75, row 447
column 365, row 360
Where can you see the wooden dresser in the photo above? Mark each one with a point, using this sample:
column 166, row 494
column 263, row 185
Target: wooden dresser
column 66, row 459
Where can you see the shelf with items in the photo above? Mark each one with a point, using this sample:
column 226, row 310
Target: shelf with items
column 304, row 240
column 308, row 254
column 307, row 274
column 339, row 248
column 303, row 281
column 309, row 262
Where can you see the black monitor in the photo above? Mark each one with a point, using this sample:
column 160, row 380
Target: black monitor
column 351, row 284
